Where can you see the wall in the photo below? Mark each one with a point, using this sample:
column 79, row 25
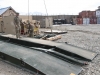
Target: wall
column 9, row 26
column 25, row 17
column 41, row 18
column 75, row 21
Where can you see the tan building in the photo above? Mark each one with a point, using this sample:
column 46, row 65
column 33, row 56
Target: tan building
column 6, row 12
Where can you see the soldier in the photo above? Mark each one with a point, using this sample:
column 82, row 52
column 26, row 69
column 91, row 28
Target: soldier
column 2, row 26
column 31, row 30
column 17, row 25
column 35, row 29
column 38, row 27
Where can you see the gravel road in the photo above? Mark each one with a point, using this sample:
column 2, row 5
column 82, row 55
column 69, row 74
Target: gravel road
column 87, row 37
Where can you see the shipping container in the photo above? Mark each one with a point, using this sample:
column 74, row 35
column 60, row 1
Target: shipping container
column 93, row 20
column 86, row 21
column 92, row 14
column 97, row 13
column 84, row 14
column 87, row 14
column 79, row 21
column 98, row 20
column 79, row 16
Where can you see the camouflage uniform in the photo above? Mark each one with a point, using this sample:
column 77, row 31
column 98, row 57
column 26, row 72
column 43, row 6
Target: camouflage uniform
column 17, row 26
column 2, row 26
column 31, row 30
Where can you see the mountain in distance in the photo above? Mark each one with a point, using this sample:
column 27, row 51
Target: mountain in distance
column 37, row 13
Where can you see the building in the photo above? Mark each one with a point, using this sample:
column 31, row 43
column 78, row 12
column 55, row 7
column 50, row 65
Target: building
column 7, row 11
column 59, row 19
column 6, row 15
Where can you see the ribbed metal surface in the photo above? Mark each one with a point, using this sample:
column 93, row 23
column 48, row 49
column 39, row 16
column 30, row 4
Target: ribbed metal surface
column 98, row 13
column 64, row 48
column 43, row 62
column 86, row 20
column 98, row 20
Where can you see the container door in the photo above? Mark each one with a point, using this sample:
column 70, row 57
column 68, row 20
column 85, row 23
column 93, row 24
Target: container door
column 95, row 20
column 98, row 20
column 84, row 21
column 88, row 21
column 97, row 13
column 91, row 20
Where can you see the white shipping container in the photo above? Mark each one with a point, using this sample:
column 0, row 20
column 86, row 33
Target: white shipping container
column 98, row 13
column 86, row 20
column 98, row 20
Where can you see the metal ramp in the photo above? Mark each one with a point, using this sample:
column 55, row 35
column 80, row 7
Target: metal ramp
column 44, row 57
column 65, row 49
column 37, row 61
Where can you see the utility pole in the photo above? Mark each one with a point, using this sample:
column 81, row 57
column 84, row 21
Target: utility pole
column 47, row 15
column 28, row 10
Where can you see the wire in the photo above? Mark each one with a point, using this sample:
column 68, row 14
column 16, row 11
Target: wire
column 47, row 15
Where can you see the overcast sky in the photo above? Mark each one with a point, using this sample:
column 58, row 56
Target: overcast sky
column 53, row 6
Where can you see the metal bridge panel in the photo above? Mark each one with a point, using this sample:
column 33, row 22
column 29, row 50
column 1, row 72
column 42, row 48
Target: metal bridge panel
column 79, row 51
column 64, row 47
column 43, row 62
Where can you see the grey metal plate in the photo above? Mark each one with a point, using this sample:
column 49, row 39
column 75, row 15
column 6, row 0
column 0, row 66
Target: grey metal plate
column 45, row 42
column 78, row 51
column 43, row 62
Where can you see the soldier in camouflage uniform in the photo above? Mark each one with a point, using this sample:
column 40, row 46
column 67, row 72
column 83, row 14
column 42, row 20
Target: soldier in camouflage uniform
column 2, row 26
column 30, row 30
column 17, row 25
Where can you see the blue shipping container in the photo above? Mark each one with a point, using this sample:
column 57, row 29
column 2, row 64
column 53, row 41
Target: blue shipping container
column 98, row 20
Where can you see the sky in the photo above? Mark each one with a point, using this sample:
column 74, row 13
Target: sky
column 54, row 7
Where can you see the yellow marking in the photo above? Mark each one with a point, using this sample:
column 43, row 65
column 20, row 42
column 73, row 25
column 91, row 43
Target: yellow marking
column 72, row 74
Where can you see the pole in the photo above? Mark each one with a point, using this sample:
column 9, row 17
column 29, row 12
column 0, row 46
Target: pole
column 28, row 10
column 47, row 15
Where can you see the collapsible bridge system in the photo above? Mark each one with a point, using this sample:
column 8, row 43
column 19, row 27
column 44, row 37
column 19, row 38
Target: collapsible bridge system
column 44, row 57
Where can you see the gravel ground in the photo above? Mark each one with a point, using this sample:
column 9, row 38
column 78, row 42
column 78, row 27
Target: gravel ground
column 86, row 37
column 87, row 41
